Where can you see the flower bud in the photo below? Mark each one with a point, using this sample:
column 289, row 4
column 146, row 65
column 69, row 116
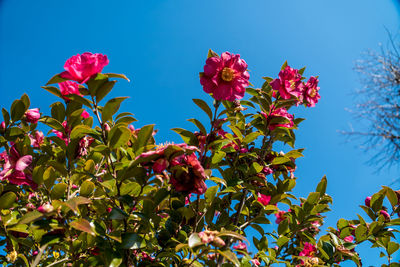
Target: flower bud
column 12, row 256
column 32, row 115
column 368, row 202
column 218, row 242
column 385, row 215
column 2, row 127
column 106, row 127
column 46, row 208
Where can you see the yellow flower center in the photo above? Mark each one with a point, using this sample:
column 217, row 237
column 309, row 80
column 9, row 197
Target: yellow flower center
column 292, row 84
column 227, row 74
column 313, row 93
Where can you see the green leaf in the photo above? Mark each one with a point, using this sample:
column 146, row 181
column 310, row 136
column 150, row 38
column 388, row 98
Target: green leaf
column 321, row 187
column 58, row 111
column 111, row 107
column 116, row 75
column 143, row 136
column 199, row 125
column 54, row 90
column 118, row 136
column 313, row 197
column 73, row 203
column 7, row 200
column 87, row 188
column 58, row 190
column 232, row 234
column 55, row 79
column 203, row 105
column 361, row 233
column 391, row 195
column 392, row 247
column 132, row 241
column 282, row 241
column 131, row 188
column 211, row 193
column 80, row 100
column 56, row 125
column 187, row 136
column 6, row 116
column 26, row 101
column 236, row 131
column 194, row 240
column 80, row 131
column 83, row 225
column 116, row 262
column 211, row 54
column 229, row 255
column 376, row 201
column 251, row 137
column 117, row 214
column 17, row 110
column 15, row 131
column 280, row 160
column 104, row 89
column 30, row 217
column 217, row 157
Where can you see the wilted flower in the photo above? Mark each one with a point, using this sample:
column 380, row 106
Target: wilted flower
column 46, row 208
column 256, row 262
column 37, row 139
column 240, row 246
column 32, row 115
column 280, row 216
column 225, row 77
column 63, row 135
column 81, row 68
column 208, row 236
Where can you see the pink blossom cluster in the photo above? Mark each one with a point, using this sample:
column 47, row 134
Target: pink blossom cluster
column 290, row 85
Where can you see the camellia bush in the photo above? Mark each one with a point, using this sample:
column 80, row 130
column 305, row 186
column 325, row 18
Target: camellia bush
column 93, row 190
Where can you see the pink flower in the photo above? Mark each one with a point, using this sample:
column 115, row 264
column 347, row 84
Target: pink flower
column 276, row 113
column 225, row 77
column 385, row 215
column 267, row 170
column 288, row 84
column 37, row 139
column 2, row 127
column 280, row 216
column 240, row 246
column 85, row 114
column 263, row 199
column 69, row 88
column 17, row 169
column 81, row 68
column 310, row 93
column 63, row 135
column 308, row 250
column 256, row 262
column 190, row 178
column 84, row 144
column 45, row 208
column 367, row 201
column 160, row 165
column 32, row 115
column 348, row 239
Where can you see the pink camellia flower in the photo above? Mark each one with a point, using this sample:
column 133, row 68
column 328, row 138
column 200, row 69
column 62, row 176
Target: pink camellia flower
column 280, row 216
column 32, row 115
column 256, row 262
column 240, row 246
column 160, row 165
column 310, row 93
column 17, row 170
column 85, row 114
column 225, row 77
column 37, row 139
column 191, row 177
column 81, row 68
column 348, row 239
column 69, row 88
column 63, row 135
column 263, row 199
column 276, row 113
column 385, row 214
column 288, row 84
column 84, row 143
column 308, row 250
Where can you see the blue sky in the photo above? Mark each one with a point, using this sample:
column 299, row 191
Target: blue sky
column 161, row 46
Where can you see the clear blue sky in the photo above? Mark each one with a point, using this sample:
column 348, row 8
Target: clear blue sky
column 161, row 46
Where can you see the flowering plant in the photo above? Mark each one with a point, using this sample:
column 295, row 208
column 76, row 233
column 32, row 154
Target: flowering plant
column 96, row 191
